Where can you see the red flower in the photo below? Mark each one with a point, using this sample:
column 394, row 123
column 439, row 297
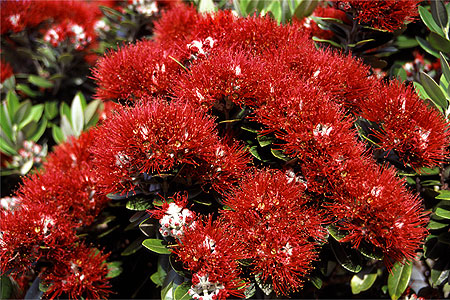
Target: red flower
column 269, row 215
column 156, row 137
column 134, row 71
column 382, row 14
column 31, row 232
column 79, row 272
column 210, row 251
column 173, row 216
column 373, row 206
column 417, row 132
column 6, row 71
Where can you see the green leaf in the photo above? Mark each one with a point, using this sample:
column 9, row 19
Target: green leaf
column 33, row 115
column 5, row 122
column 445, row 67
column 348, row 258
column 65, row 58
column 77, row 114
column 139, row 204
column 403, row 42
column 181, row 292
column 254, row 151
column 6, row 287
column 133, row 247
column 156, row 245
column 265, row 140
column 6, row 146
column 443, row 195
column 305, row 8
column 156, row 279
column 114, row 269
column 427, row 46
column 12, row 103
column 90, row 111
column 336, row 233
column 275, row 8
column 64, row 110
column 167, row 292
column 399, row 278
column 22, row 111
column 66, row 127
column 57, row 134
column 279, row 154
column 362, row 282
column 439, row 43
column 433, row 225
column 333, row 43
column 51, row 109
column 443, row 211
column 370, row 251
column 427, row 18
column 27, row 90
column 440, row 271
column 434, row 91
column 206, row 6
column 39, row 81
column 439, row 13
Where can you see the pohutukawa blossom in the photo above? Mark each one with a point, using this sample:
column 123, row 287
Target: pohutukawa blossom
column 69, row 34
column 210, row 251
column 269, row 213
column 173, row 216
column 6, row 71
column 31, row 232
column 136, row 70
column 417, row 132
column 386, row 15
column 374, row 207
column 155, row 137
column 80, row 272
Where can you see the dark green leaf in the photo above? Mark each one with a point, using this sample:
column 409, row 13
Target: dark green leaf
column 440, row 271
column 427, row 47
column 156, row 245
column 22, row 111
column 398, row 280
column 427, row 18
column 139, row 204
column 347, row 257
column 445, row 67
column 6, row 287
column 439, row 13
column 5, row 146
column 181, row 292
column 147, row 227
column 65, row 58
column 265, row 140
column 305, row 8
column 177, row 266
column 133, row 247
column 362, row 282
column 254, row 151
column 439, row 43
column 336, row 233
column 279, row 154
column 434, row 91
column 444, row 238
column 443, row 211
column 433, row 225
column 39, row 81
column 114, row 269
column 368, row 250
column 316, row 281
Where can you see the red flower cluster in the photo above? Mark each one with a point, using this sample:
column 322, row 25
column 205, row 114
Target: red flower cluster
column 6, row 71
column 72, row 22
column 155, row 137
column 210, row 251
column 386, row 15
column 269, row 213
column 54, row 202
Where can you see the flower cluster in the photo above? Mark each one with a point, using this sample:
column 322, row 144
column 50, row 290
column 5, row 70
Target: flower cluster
column 155, row 137
column 53, row 203
column 252, row 70
column 386, row 15
column 173, row 217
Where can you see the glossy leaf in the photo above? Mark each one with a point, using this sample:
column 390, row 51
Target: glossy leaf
column 181, row 292
column 347, row 257
column 362, row 282
column 443, row 195
column 443, row 211
column 439, row 13
column 428, row 19
column 114, row 269
column 156, row 245
column 433, row 90
column 139, row 204
column 398, row 280
column 39, row 81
